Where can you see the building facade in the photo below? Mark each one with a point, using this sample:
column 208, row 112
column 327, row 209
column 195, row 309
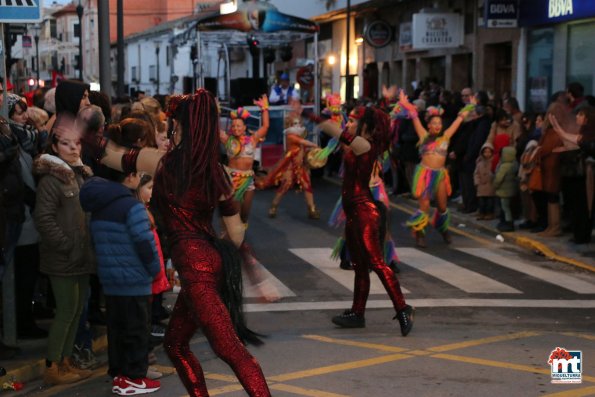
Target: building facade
column 558, row 48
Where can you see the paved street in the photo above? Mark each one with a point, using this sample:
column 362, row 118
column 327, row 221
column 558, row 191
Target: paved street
column 488, row 316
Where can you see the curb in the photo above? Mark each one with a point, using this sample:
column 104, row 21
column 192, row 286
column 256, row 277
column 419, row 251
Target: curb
column 511, row 237
column 34, row 369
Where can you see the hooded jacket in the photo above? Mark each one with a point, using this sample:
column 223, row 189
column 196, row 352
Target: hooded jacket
column 483, row 177
column 65, row 247
column 506, row 182
column 127, row 258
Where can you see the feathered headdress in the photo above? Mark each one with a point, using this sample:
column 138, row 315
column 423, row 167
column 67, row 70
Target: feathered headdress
column 240, row 113
column 434, row 111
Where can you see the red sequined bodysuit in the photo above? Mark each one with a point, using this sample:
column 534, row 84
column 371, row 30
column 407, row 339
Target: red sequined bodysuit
column 362, row 231
column 188, row 224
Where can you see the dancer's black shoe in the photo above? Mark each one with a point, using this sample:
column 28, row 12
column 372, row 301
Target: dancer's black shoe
column 405, row 318
column 349, row 320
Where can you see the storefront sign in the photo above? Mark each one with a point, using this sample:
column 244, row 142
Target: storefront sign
column 542, row 12
column 437, row 30
column 405, row 36
column 378, row 33
column 501, row 13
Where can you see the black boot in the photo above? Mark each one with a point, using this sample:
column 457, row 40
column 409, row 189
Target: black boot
column 405, row 318
column 349, row 320
column 446, row 237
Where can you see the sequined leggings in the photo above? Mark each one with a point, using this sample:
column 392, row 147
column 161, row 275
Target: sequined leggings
column 362, row 233
column 199, row 306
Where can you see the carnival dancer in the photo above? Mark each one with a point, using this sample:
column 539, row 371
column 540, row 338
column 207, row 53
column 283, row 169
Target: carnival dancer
column 431, row 178
column 241, row 148
column 189, row 184
column 366, row 137
column 292, row 169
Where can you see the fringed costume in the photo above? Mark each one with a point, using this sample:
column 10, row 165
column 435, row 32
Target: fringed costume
column 338, row 218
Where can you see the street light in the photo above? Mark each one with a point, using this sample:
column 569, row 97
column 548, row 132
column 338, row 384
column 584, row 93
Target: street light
column 79, row 12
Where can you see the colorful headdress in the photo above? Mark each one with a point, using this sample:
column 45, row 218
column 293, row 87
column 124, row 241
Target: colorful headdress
column 240, row 113
column 333, row 102
column 434, row 111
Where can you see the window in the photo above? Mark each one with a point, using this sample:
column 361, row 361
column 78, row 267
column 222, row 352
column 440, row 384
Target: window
column 152, row 73
column 167, row 55
column 540, row 53
column 77, row 30
column 53, row 29
column 133, row 73
column 581, row 55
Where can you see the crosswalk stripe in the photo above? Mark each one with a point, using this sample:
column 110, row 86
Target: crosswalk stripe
column 557, row 278
column 321, row 259
column 251, row 291
column 418, row 303
column 452, row 274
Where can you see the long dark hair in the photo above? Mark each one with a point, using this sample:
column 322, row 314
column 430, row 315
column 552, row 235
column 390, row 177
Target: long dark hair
column 194, row 161
column 377, row 126
column 588, row 130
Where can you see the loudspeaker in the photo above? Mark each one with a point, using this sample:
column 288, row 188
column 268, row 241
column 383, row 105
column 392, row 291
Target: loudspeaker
column 245, row 90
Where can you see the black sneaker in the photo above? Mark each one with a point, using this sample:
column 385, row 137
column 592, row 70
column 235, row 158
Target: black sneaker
column 346, row 265
column 405, row 318
column 349, row 320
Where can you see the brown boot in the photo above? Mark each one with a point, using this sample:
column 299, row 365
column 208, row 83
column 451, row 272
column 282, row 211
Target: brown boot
column 553, row 221
column 59, row 375
column 70, row 366
column 313, row 213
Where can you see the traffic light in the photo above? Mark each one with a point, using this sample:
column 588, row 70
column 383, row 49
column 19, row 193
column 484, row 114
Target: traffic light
column 253, row 44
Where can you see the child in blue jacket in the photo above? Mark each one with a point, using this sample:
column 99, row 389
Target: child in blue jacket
column 127, row 263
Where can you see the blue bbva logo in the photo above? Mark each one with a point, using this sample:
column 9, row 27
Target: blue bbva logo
column 566, row 365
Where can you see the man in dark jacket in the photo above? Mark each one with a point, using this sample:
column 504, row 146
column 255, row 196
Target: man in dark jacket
column 127, row 263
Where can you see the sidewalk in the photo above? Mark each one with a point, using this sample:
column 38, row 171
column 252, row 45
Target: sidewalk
column 555, row 248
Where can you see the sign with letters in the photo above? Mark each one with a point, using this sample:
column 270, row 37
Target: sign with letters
column 440, row 30
column 501, row 13
column 543, row 12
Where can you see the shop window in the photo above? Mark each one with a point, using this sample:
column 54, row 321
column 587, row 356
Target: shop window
column 581, row 55
column 540, row 53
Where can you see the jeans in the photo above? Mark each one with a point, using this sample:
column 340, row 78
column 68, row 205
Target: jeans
column 486, row 205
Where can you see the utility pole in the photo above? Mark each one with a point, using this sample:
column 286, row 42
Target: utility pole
column 79, row 12
column 105, row 77
column 348, row 80
column 120, row 45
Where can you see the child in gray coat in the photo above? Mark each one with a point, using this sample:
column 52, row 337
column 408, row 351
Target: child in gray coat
column 506, row 185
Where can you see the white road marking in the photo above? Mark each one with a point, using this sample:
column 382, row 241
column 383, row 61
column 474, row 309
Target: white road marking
column 251, row 291
column 321, row 259
column 559, row 279
column 452, row 274
column 450, row 303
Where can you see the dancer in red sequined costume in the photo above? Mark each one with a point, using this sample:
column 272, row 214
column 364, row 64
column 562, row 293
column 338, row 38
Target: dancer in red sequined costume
column 189, row 184
column 366, row 137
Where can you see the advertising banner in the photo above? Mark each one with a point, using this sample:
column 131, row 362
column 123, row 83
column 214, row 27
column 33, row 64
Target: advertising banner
column 437, row 30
